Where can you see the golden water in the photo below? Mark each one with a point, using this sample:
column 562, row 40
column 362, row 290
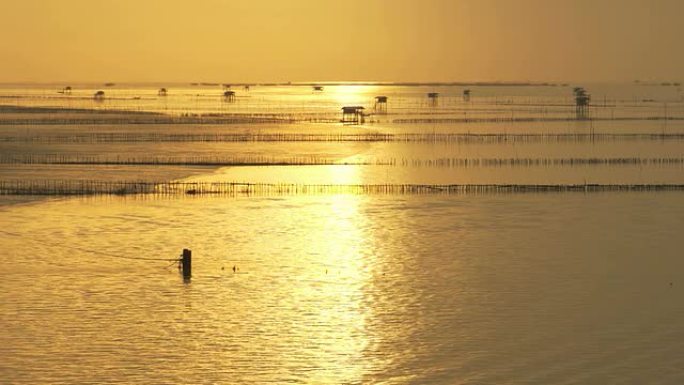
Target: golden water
column 554, row 288
column 534, row 289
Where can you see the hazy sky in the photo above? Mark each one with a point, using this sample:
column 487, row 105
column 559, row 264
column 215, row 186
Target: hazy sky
column 302, row 40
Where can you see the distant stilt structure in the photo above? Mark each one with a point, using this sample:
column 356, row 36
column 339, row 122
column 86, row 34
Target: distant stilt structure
column 246, row 87
column 380, row 104
column 582, row 100
column 318, row 88
column 433, row 96
column 66, row 90
column 229, row 96
column 466, row 95
column 352, row 115
column 99, row 96
column 162, row 92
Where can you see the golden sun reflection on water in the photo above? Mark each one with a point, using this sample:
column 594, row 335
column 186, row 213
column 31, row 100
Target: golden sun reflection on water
column 339, row 289
column 342, row 243
column 353, row 94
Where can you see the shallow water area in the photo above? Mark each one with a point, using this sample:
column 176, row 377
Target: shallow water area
column 345, row 289
column 346, row 283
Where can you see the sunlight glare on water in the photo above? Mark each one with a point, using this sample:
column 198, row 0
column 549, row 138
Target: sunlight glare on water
column 345, row 289
column 337, row 286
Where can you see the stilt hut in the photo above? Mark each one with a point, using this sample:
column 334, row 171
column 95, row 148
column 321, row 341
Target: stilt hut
column 66, row 90
column 229, row 96
column 380, row 104
column 162, row 92
column 466, row 95
column 352, row 115
column 99, row 95
column 582, row 99
column 433, row 96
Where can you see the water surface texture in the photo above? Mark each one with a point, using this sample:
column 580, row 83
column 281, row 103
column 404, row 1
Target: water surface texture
column 380, row 275
column 534, row 289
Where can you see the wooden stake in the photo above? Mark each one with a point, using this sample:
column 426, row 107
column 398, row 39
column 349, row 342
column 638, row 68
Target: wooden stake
column 187, row 263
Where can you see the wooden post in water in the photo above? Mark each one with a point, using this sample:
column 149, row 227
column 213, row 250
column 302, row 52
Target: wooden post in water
column 187, row 263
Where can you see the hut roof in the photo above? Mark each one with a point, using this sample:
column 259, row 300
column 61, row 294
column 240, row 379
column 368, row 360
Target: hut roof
column 352, row 109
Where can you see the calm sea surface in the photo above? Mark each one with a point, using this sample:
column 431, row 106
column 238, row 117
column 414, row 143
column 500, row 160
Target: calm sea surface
column 344, row 288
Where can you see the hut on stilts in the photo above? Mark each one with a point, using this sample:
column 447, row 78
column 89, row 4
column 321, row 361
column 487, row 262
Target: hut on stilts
column 352, row 115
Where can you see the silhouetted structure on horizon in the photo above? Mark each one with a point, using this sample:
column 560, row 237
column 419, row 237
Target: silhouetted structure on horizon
column 433, row 96
column 162, row 92
column 99, row 95
column 380, row 104
column 582, row 99
column 352, row 115
column 466, row 95
column 229, row 96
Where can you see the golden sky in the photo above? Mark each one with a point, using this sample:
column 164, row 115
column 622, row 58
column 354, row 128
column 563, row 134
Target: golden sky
column 317, row 40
